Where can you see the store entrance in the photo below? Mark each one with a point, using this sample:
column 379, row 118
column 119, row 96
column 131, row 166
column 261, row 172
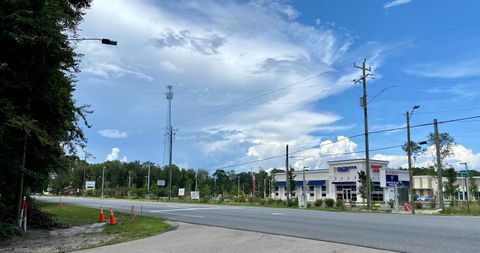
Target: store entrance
column 347, row 195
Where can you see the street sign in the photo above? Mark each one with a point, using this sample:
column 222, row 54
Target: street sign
column 195, row 195
column 90, row 185
column 463, row 173
column 181, row 192
column 160, row 182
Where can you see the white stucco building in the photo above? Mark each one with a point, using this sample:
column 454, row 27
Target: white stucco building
column 340, row 181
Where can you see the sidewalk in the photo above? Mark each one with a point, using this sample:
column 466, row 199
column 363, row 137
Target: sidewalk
column 198, row 238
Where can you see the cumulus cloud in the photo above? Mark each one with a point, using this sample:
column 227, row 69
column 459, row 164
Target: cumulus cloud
column 258, row 47
column 114, row 155
column 113, row 133
column 396, row 3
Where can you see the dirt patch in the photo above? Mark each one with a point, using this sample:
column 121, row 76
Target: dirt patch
column 58, row 240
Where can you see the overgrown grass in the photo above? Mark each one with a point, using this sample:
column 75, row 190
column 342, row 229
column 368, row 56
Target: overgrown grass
column 125, row 230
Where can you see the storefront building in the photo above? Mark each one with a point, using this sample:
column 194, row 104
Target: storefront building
column 341, row 181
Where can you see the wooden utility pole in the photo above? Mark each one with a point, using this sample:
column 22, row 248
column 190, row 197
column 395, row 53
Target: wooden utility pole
column 363, row 102
column 439, row 166
column 287, row 175
column 410, row 170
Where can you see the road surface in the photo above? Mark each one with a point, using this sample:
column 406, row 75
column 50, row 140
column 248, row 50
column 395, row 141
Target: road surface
column 397, row 232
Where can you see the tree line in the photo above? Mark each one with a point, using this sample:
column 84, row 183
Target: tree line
column 130, row 179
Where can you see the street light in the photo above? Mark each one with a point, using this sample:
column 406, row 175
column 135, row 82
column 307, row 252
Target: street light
column 466, row 187
column 409, row 154
column 103, row 40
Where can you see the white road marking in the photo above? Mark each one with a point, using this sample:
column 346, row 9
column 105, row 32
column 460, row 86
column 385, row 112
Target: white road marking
column 186, row 209
column 188, row 215
column 278, row 214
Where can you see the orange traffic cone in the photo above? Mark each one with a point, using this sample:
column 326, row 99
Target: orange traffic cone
column 112, row 218
column 102, row 216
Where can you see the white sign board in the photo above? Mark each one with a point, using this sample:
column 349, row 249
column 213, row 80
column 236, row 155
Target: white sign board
column 388, row 178
column 181, row 192
column 195, row 195
column 90, row 185
column 160, row 182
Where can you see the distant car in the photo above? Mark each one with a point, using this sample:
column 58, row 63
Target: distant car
column 425, row 198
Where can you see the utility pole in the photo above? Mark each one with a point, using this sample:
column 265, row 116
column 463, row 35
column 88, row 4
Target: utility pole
column 364, row 102
column 170, row 139
column 84, row 179
column 304, row 194
column 196, row 180
column 148, row 179
column 264, row 188
column 214, row 187
column 409, row 155
column 465, row 179
column 439, row 166
column 129, row 179
column 238, row 189
column 287, row 175
column 103, row 179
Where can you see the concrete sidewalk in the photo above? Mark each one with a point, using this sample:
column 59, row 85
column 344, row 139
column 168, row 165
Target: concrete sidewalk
column 198, row 238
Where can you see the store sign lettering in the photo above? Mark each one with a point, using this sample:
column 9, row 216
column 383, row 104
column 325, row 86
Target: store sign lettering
column 376, row 168
column 345, row 168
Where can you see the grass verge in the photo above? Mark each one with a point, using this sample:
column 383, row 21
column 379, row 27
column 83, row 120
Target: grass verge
column 125, row 230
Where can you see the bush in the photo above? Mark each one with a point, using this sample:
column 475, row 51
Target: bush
column 340, row 204
column 204, row 199
column 352, row 203
column 318, row 203
column 270, row 201
column 263, row 202
column 391, row 203
column 242, row 198
column 8, row 230
column 293, row 202
column 433, row 203
column 329, row 203
column 418, row 205
column 252, row 199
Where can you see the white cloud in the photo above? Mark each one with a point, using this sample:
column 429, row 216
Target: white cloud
column 113, row 133
column 258, row 47
column 469, row 68
column 396, row 3
column 114, row 155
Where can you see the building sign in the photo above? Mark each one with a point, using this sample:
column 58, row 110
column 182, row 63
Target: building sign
column 376, row 168
column 389, row 178
column 181, row 192
column 160, row 182
column 90, row 185
column 345, row 168
column 195, row 195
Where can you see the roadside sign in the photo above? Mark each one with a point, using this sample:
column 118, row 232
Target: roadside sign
column 90, row 185
column 389, row 178
column 160, row 182
column 181, row 192
column 195, row 195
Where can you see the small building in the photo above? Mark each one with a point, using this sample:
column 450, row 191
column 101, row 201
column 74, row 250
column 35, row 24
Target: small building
column 428, row 186
column 341, row 181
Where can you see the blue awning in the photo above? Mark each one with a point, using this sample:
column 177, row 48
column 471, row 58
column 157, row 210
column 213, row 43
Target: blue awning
column 280, row 183
column 351, row 182
column 316, row 182
column 298, row 183
column 405, row 183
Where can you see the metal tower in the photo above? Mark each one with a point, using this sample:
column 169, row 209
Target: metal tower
column 169, row 94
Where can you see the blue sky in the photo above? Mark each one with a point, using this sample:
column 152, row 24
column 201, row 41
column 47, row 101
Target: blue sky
column 299, row 54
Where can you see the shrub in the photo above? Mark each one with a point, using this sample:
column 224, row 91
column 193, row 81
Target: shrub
column 263, row 202
column 252, row 199
column 340, row 204
column 242, row 198
column 8, row 230
column 352, row 203
column 329, row 203
column 418, row 205
column 318, row 202
column 391, row 203
column 204, row 199
column 433, row 204
column 270, row 201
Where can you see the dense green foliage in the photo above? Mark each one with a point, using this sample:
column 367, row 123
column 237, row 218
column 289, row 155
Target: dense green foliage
column 40, row 120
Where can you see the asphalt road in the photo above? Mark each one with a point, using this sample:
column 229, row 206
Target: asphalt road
column 404, row 233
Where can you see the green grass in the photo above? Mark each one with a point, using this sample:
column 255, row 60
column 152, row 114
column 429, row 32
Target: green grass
column 124, row 230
